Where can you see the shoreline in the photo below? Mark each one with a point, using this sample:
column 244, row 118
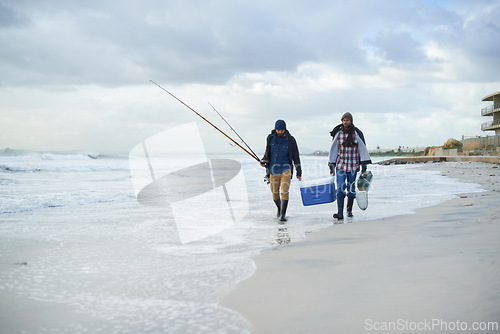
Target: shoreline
column 451, row 158
column 441, row 262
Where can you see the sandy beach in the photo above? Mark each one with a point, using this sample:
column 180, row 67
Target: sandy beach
column 434, row 271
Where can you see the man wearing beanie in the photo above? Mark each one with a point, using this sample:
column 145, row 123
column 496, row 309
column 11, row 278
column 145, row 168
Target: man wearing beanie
column 347, row 154
column 282, row 153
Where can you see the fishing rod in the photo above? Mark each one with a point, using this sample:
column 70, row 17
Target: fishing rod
column 243, row 141
column 203, row 118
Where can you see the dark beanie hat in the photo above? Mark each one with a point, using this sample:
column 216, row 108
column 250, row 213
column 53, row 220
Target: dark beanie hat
column 280, row 125
column 347, row 115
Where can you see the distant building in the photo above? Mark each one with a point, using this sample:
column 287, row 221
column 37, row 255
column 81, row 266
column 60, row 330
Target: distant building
column 492, row 110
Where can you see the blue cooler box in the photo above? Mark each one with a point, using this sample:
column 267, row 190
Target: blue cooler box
column 318, row 191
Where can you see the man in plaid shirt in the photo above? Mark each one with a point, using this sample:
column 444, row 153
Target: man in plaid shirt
column 347, row 154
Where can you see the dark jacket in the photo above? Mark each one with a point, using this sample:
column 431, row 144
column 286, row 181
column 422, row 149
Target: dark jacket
column 293, row 151
column 338, row 127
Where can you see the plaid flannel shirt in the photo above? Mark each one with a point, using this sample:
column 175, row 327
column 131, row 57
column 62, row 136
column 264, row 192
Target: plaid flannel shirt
column 348, row 158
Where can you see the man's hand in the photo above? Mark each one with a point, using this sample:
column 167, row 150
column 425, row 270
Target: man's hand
column 332, row 169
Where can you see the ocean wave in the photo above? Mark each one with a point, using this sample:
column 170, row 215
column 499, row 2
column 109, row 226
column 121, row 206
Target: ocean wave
column 54, row 156
column 80, row 162
column 5, row 168
column 13, row 206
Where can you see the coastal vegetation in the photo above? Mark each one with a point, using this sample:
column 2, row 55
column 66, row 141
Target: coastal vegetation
column 397, row 153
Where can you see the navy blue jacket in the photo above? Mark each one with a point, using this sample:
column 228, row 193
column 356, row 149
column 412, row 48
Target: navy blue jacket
column 293, row 150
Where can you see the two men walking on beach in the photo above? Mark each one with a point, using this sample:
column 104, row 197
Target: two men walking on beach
column 281, row 155
column 347, row 153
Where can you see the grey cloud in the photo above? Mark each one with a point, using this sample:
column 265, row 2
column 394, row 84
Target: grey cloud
column 208, row 43
column 482, row 34
column 10, row 18
column 398, row 47
column 475, row 38
column 130, row 42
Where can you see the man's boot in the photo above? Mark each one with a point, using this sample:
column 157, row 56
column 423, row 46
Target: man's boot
column 278, row 204
column 350, row 202
column 340, row 206
column 284, row 205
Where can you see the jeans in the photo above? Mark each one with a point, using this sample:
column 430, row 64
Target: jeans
column 346, row 183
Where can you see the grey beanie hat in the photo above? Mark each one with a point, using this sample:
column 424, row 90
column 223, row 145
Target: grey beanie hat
column 347, row 115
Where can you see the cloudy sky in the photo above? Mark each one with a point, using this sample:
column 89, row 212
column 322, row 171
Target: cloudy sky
column 75, row 75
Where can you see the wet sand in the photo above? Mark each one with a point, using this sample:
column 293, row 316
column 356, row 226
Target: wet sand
column 434, row 269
